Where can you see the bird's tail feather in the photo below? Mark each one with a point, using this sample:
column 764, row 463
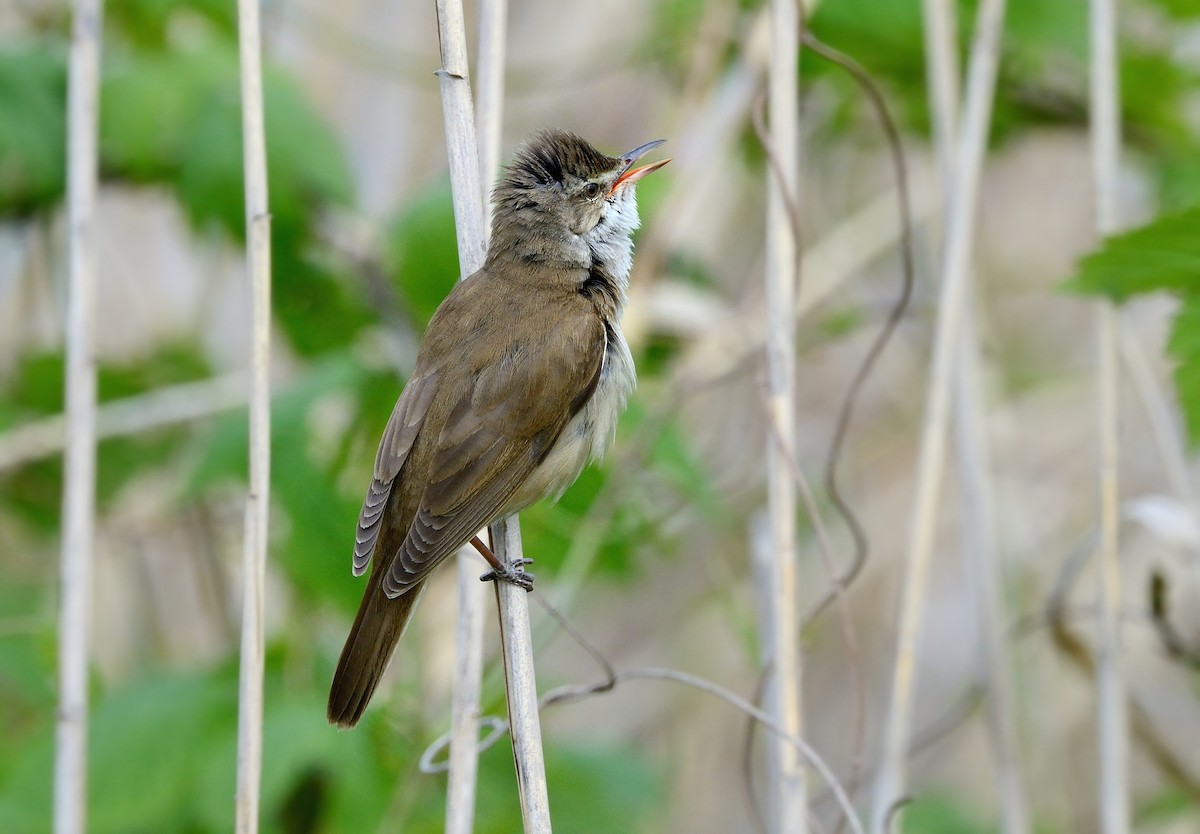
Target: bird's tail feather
column 368, row 649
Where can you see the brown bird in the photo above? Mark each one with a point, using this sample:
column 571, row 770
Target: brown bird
column 519, row 381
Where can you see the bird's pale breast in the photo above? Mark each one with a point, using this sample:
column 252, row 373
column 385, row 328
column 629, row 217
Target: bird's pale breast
column 588, row 435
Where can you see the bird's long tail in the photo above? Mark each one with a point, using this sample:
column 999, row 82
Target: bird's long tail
column 377, row 628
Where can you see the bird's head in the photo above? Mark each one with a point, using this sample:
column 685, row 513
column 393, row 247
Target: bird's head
column 558, row 178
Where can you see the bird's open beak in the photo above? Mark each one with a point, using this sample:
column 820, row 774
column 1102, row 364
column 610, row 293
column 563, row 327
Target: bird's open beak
column 629, row 174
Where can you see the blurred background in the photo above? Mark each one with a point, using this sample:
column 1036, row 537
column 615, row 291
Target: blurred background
column 649, row 554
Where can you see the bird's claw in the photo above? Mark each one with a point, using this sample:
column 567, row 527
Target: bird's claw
column 512, row 574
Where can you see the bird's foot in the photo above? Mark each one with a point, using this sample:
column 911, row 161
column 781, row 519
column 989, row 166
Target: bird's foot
column 512, row 573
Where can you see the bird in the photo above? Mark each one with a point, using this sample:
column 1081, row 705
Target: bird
column 519, row 381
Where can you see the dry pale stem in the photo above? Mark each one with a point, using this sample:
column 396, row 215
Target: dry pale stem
column 974, row 464
column 1112, row 717
column 254, row 556
column 787, row 786
column 956, row 254
column 79, row 479
column 516, row 640
column 468, row 638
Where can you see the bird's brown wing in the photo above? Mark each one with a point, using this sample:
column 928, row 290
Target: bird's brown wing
column 496, row 433
column 402, row 428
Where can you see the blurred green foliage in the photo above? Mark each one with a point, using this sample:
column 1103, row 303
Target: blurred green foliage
column 170, row 120
column 422, row 252
column 1175, row 805
column 33, row 126
column 1162, row 256
column 942, row 815
column 161, row 757
column 1042, row 75
column 1042, row 78
column 35, row 389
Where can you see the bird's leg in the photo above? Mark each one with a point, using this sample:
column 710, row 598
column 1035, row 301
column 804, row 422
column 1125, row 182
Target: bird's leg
column 506, row 571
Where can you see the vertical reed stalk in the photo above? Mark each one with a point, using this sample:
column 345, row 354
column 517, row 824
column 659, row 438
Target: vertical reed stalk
column 462, row 149
column 955, row 260
column 516, row 640
column 468, row 642
column 1112, row 718
column 974, row 464
column 520, row 685
column 489, row 103
column 464, row 702
column 254, row 555
column 79, row 477
column 788, row 789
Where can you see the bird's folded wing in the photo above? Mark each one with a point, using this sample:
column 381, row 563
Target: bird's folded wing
column 497, row 433
column 402, row 429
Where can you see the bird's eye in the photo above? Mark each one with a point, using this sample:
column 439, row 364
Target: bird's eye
column 591, row 190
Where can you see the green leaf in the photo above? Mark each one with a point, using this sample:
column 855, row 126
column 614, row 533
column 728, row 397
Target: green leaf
column 630, row 525
column 176, row 117
column 27, row 673
column 602, row 789
column 1179, row 9
column 26, row 797
column 1162, row 255
column 314, row 546
column 1183, row 346
column 316, row 553
column 318, row 313
column 34, row 491
column 1154, row 88
column 33, row 388
column 33, row 494
column 313, row 778
column 153, row 24
column 144, row 756
column 597, row 789
column 671, row 35
column 941, row 815
column 1169, row 804
column 146, row 745
column 26, row 677
column 422, row 253
column 1043, row 75
column 550, row 530
column 151, row 104
column 1178, row 176
column 673, row 458
column 887, row 39
column 33, row 96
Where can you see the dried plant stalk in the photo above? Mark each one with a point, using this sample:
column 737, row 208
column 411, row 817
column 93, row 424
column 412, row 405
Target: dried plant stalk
column 462, row 149
column 1158, row 409
column 468, row 638
column 254, row 555
column 79, row 477
column 788, row 779
column 520, row 685
column 956, row 256
column 1112, row 717
column 974, row 464
column 154, row 409
column 516, row 639
column 464, row 701
column 489, row 104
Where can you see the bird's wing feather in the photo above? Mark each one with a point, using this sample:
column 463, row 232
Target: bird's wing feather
column 402, row 428
column 501, row 427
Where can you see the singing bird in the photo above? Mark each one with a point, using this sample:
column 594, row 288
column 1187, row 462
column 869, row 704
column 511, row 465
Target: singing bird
column 519, row 381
